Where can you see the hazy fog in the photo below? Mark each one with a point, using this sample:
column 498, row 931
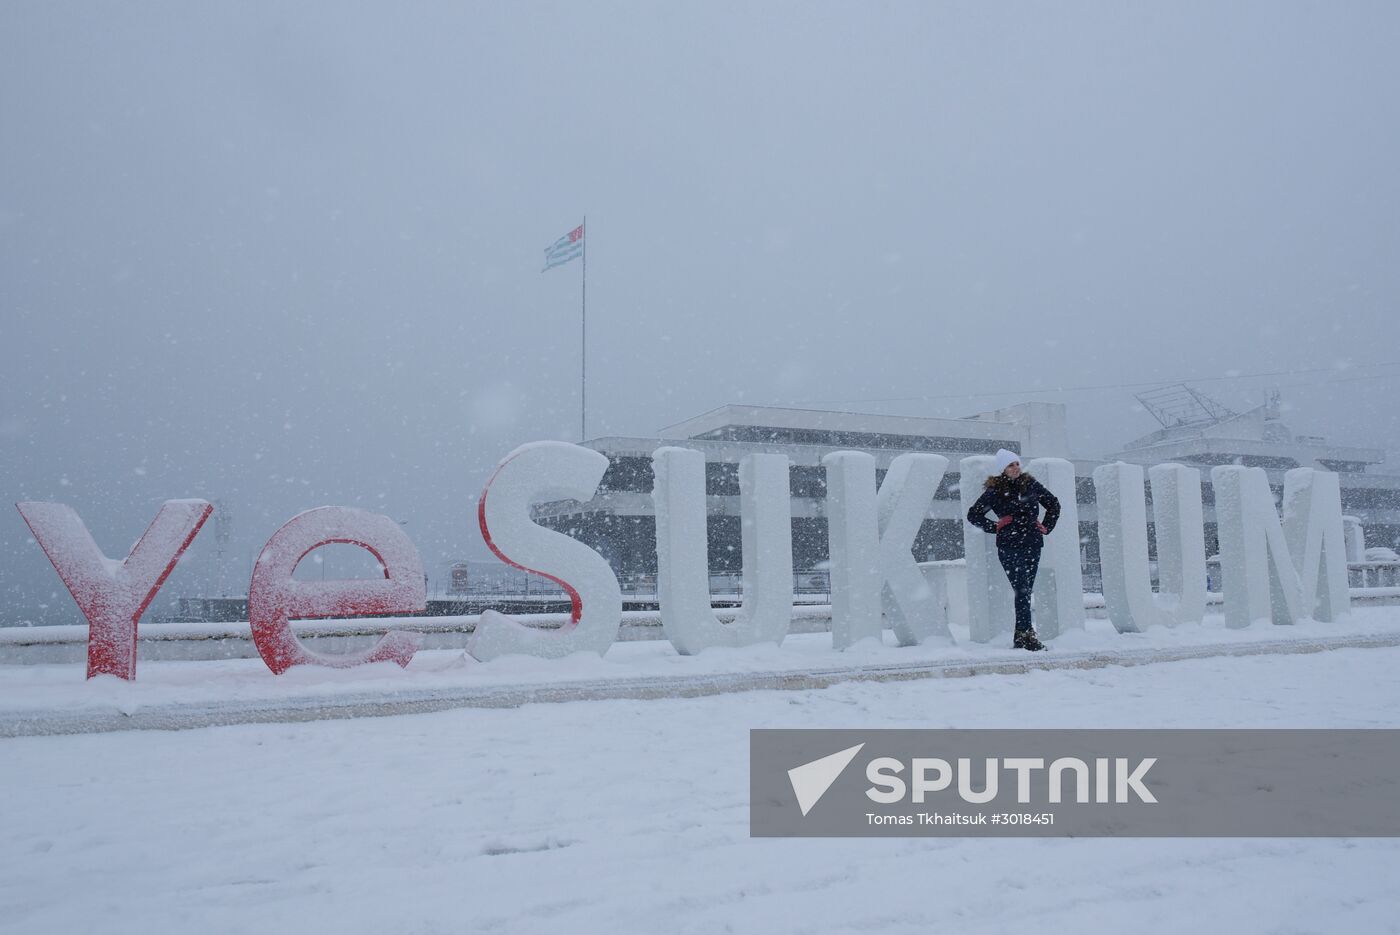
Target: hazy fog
column 288, row 255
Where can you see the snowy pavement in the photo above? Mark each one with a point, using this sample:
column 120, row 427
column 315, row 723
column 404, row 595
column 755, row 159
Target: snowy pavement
column 632, row 816
column 55, row 698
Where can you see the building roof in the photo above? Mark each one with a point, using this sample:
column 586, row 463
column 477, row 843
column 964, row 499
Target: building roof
column 1258, row 432
column 712, row 423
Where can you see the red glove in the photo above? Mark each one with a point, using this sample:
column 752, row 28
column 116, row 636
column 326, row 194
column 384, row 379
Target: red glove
column 1043, row 530
column 1001, row 523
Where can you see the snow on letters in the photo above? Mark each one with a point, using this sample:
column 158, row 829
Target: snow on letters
column 547, row 471
column 1181, row 564
column 874, row 577
column 113, row 594
column 1127, row 581
column 1280, row 570
column 1257, row 575
column 1312, row 524
column 274, row 598
column 902, row 503
column 682, row 563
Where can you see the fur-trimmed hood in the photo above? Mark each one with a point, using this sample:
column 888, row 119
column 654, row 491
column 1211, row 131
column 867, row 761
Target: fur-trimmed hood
column 1002, row 482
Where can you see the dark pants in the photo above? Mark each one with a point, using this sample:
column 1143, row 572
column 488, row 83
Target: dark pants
column 1021, row 559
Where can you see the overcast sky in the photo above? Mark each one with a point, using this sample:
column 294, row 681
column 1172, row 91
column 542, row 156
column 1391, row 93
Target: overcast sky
column 288, row 254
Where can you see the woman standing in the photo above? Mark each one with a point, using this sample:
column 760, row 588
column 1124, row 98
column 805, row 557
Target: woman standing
column 1016, row 498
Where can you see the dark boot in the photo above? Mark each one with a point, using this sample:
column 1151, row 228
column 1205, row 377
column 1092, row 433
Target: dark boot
column 1026, row 639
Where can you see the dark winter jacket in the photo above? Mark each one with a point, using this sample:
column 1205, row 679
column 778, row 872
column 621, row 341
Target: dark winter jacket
column 1020, row 499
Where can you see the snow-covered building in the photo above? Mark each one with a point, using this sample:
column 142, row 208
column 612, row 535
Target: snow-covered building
column 620, row 521
column 1198, row 432
column 1210, row 435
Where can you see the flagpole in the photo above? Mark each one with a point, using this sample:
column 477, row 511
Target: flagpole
column 583, row 343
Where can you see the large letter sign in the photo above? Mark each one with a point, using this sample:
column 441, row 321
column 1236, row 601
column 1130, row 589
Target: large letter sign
column 1258, row 577
column 1312, row 524
column 274, row 598
column 547, row 471
column 871, row 536
column 1280, row 570
column 682, row 566
column 1059, row 586
column 113, row 595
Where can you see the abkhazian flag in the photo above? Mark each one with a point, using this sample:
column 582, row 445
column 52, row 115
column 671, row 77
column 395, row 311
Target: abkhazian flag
column 564, row 249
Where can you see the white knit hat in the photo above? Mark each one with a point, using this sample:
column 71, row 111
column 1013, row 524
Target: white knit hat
column 1005, row 459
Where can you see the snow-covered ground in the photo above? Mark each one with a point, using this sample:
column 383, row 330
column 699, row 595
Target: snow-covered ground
column 632, row 816
column 36, row 691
